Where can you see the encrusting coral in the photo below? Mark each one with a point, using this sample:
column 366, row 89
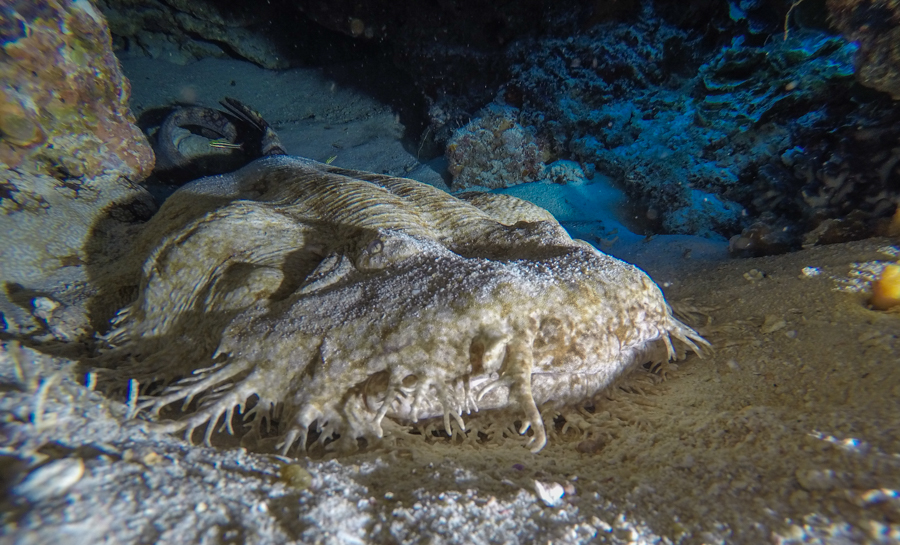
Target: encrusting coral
column 321, row 297
column 494, row 151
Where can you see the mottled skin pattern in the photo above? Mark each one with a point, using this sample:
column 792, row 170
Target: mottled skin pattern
column 341, row 298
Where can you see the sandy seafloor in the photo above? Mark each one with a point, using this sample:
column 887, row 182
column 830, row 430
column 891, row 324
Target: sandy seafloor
column 788, row 433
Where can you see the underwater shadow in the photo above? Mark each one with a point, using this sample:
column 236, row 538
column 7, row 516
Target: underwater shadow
column 380, row 79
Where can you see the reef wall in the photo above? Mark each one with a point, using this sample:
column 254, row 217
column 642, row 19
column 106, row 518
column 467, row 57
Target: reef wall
column 875, row 26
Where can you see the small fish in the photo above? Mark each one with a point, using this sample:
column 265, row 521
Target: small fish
column 330, row 159
column 224, row 144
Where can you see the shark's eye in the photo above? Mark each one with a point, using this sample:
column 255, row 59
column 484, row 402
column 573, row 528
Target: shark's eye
column 375, row 247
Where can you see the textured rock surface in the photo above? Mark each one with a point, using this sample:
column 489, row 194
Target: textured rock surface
column 494, row 151
column 665, row 98
column 70, row 154
column 775, row 133
column 185, row 31
column 875, row 26
column 341, row 297
column 64, row 99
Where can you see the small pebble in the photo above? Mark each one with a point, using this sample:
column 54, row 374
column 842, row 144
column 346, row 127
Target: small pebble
column 754, row 274
column 550, row 493
column 296, row 476
column 810, row 272
column 773, row 323
column 816, row 479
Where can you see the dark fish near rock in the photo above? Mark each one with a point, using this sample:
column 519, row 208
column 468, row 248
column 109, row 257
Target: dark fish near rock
column 196, row 141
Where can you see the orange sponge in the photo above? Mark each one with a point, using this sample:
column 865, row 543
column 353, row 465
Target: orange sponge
column 886, row 288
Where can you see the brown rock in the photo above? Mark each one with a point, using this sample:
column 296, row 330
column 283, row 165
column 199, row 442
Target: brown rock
column 65, row 109
column 70, row 155
column 875, row 26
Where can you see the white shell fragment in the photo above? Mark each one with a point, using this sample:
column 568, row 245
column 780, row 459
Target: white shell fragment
column 549, row 493
column 50, row 480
